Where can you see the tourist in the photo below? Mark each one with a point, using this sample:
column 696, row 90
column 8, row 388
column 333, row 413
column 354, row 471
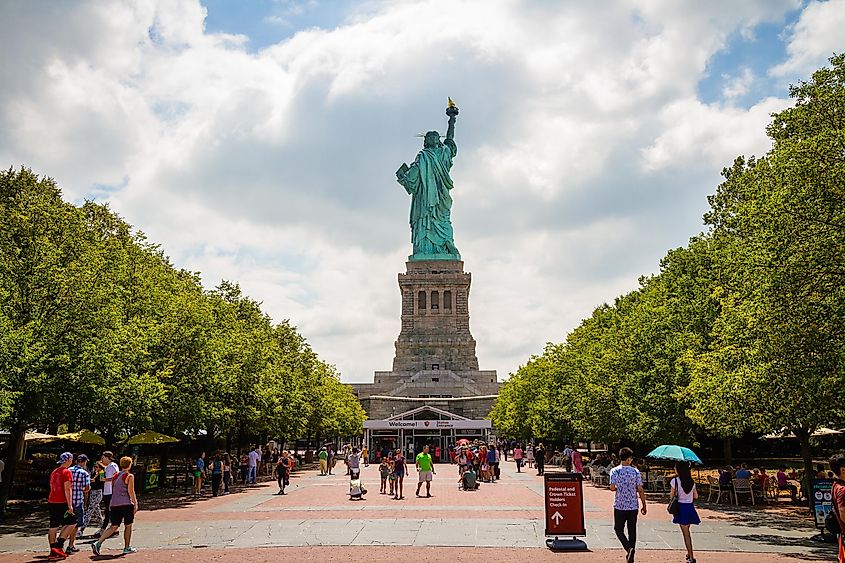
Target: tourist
column 577, row 461
column 497, row 459
column 384, row 471
column 353, row 461
column 95, row 497
column 837, row 467
column 626, row 482
column 254, row 460
column 517, row 457
column 244, row 467
column 216, row 474
column 324, row 461
column 109, row 473
column 425, row 468
column 540, row 458
column 124, row 505
column 199, row 473
column 399, row 472
column 567, row 458
column 726, row 476
column 227, row 472
column 683, row 487
column 391, row 476
column 529, row 455
column 60, row 507
column 365, row 455
column 784, row 484
column 483, row 464
column 743, row 472
column 462, row 461
column 331, row 460
column 80, row 490
column 282, row 470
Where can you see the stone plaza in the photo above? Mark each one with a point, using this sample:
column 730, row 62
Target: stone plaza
column 498, row 522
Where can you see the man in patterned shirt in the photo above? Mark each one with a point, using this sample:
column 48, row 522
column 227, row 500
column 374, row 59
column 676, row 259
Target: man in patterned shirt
column 627, row 484
column 80, row 489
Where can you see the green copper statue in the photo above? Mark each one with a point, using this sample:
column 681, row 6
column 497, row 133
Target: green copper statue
column 428, row 182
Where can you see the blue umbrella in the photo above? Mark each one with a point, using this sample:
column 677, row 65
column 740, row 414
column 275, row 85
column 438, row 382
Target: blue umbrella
column 674, row 453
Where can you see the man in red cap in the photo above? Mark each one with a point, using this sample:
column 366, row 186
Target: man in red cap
column 60, row 504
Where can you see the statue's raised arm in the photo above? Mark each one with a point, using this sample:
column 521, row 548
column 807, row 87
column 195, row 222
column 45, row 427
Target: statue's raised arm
column 428, row 182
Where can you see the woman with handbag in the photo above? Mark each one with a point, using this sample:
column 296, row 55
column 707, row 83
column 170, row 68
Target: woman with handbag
column 681, row 504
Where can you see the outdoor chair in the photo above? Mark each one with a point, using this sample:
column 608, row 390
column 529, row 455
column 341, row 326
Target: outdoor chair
column 743, row 487
column 716, row 488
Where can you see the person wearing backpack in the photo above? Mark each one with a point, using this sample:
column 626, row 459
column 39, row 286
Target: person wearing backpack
column 837, row 465
column 216, row 474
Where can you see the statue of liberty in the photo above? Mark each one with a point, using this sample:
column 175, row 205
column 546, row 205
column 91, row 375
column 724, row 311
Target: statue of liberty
column 428, row 182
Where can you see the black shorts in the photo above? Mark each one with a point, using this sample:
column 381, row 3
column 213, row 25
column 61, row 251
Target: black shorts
column 124, row 514
column 58, row 517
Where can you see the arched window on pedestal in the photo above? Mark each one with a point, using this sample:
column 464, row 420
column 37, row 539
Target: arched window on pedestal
column 421, row 306
column 435, row 300
column 447, row 301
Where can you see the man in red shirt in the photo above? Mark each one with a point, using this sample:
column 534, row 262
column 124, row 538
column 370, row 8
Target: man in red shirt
column 837, row 465
column 60, row 505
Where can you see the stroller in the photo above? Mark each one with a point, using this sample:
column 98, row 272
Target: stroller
column 356, row 488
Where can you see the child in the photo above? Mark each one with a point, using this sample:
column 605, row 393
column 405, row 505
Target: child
column 356, row 489
column 391, row 476
column 384, row 471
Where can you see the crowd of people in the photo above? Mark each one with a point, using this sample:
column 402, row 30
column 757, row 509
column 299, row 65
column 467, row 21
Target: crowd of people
column 103, row 492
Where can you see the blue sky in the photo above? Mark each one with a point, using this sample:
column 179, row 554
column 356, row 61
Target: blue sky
column 257, row 141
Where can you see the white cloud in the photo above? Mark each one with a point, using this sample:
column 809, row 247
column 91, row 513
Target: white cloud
column 275, row 169
column 814, row 38
column 739, row 85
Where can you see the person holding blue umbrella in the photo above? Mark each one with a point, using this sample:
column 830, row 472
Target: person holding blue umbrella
column 684, row 489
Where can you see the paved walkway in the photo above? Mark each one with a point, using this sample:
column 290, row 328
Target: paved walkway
column 503, row 516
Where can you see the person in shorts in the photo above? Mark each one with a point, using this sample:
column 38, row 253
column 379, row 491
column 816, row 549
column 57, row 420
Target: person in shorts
column 399, row 474
column 110, row 470
column 124, row 505
column 425, row 468
column 60, row 507
column 80, row 490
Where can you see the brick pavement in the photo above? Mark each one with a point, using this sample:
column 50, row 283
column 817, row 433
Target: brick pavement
column 317, row 515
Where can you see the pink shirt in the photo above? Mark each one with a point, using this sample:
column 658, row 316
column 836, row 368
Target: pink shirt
column 517, row 453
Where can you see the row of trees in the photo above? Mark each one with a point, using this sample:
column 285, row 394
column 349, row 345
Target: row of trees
column 98, row 330
column 741, row 331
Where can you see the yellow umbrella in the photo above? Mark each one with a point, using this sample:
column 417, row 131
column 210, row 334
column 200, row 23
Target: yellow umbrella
column 150, row 437
column 83, row 437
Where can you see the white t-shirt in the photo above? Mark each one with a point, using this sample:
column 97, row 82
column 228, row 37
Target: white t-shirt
column 254, row 458
column 111, row 471
column 683, row 496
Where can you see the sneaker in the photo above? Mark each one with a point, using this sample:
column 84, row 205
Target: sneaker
column 97, row 534
column 631, row 555
column 72, row 549
column 95, row 547
column 128, row 550
column 56, row 554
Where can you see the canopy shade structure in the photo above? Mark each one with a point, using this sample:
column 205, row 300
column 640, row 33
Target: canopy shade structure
column 151, row 438
column 817, row 434
column 81, row 437
column 674, row 453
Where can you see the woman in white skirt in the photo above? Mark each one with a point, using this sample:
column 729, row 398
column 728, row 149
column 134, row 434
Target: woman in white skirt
column 529, row 455
column 684, row 488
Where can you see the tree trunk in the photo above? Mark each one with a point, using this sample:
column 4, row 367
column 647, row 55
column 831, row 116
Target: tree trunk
column 17, row 442
column 803, row 435
column 727, row 451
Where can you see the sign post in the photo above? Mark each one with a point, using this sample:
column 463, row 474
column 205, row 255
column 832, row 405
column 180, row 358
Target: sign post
column 564, row 501
column 822, row 497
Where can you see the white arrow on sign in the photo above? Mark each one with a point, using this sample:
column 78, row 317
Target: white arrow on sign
column 557, row 518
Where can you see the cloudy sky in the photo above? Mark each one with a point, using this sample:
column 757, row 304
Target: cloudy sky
column 257, row 141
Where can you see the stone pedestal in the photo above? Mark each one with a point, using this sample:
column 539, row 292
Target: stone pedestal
column 435, row 361
column 435, row 318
